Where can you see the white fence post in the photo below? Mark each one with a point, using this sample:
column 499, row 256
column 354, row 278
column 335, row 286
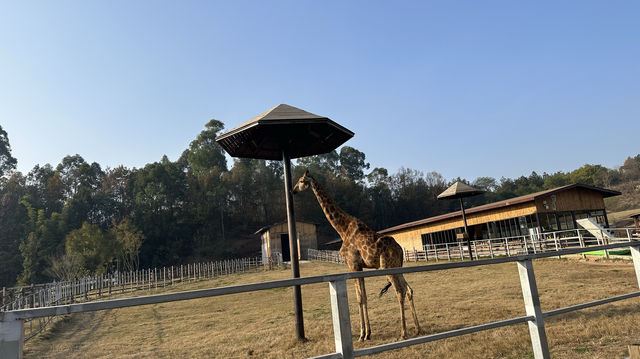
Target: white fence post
column 635, row 254
column 532, row 307
column 11, row 337
column 341, row 320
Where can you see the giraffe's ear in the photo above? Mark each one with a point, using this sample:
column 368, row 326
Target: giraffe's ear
column 306, row 173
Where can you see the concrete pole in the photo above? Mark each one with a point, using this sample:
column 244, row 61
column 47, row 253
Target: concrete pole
column 11, row 337
column 293, row 246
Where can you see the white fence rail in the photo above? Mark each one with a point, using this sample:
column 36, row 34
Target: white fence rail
column 11, row 322
column 518, row 245
column 508, row 246
column 101, row 286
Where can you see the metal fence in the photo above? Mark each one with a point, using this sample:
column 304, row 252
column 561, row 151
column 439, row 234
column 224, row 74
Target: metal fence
column 11, row 322
column 518, row 245
column 507, row 246
column 98, row 287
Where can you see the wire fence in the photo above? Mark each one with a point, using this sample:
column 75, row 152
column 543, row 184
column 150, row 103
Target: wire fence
column 101, row 286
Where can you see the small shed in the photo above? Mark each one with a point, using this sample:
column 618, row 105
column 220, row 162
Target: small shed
column 275, row 239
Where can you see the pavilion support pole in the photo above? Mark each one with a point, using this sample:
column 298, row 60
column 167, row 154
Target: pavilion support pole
column 466, row 231
column 293, row 246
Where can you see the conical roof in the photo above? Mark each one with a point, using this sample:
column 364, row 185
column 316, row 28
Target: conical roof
column 284, row 128
column 459, row 190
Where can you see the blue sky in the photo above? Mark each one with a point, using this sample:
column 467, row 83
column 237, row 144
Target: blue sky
column 464, row 88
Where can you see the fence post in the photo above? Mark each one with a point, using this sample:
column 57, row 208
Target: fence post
column 11, row 337
column 635, row 255
column 532, row 307
column 605, row 241
column 341, row 321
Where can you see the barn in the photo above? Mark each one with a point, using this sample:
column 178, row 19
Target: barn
column 546, row 211
column 275, row 239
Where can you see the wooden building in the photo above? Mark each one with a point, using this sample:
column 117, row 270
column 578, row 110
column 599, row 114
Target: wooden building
column 547, row 211
column 275, row 238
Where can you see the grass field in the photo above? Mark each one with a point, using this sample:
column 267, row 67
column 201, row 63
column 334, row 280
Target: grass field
column 260, row 324
column 622, row 217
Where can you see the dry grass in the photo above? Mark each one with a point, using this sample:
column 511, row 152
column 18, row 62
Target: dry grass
column 260, row 324
column 622, row 217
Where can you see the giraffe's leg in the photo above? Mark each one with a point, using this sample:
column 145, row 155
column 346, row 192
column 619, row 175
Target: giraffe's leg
column 413, row 308
column 365, row 309
column 401, row 291
column 361, row 295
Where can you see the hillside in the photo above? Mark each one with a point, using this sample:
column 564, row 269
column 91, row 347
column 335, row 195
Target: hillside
column 629, row 199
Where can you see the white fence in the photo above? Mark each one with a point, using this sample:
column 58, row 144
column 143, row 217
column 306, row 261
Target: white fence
column 508, row 246
column 325, row 256
column 12, row 322
column 100, row 286
column 519, row 245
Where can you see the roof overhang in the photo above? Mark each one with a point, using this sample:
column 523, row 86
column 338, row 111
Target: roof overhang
column 501, row 204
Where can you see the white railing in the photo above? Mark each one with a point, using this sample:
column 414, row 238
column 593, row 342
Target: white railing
column 98, row 287
column 518, row 245
column 12, row 322
column 325, row 256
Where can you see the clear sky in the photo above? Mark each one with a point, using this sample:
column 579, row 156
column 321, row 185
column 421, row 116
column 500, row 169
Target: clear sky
column 464, row 88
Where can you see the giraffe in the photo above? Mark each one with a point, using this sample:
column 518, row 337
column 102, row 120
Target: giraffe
column 364, row 248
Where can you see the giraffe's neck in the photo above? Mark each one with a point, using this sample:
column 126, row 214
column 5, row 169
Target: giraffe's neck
column 338, row 218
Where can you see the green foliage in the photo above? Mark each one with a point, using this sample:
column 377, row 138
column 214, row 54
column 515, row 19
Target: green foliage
column 128, row 240
column 94, row 248
column 204, row 152
column 56, row 222
column 7, row 161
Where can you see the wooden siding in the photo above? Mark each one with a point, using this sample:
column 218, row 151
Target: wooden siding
column 307, row 237
column 574, row 199
column 412, row 238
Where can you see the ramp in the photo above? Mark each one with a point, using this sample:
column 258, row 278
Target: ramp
column 595, row 229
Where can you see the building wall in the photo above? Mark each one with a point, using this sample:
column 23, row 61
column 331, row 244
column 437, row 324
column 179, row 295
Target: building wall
column 412, row 238
column 307, row 238
column 574, row 199
column 571, row 200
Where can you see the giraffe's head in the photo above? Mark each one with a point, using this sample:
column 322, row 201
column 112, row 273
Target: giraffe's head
column 303, row 183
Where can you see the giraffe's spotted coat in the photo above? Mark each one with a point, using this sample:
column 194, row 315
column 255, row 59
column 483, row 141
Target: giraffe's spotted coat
column 363, row 248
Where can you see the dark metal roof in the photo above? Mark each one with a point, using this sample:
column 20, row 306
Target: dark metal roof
column 266, row 228
column 459, row 190
column 284, row 128
column 501, row 204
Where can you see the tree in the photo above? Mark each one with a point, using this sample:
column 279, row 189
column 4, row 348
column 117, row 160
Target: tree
column 94, row 248
column 204, row 153
column 66, row 267
column 7, row 161
column 630, row 170
column 13, row 217
column 352, row 164
column 129, row 240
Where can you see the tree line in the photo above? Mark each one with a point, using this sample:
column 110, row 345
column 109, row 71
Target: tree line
column 78, row 217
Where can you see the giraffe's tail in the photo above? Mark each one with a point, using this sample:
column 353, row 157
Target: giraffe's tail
column 385, row 289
